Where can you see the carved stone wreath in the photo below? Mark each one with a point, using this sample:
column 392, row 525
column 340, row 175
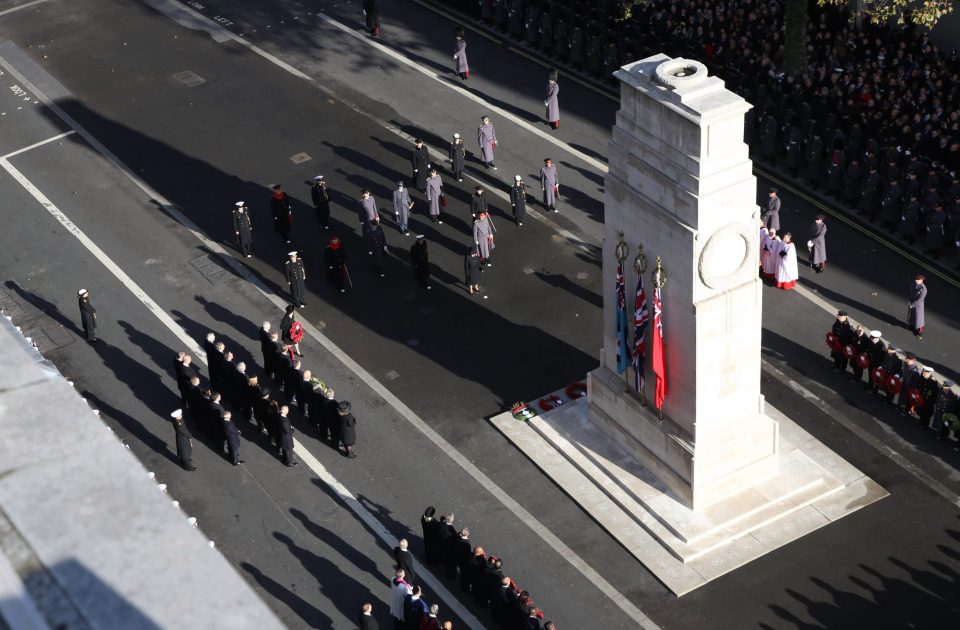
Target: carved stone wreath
column 681, row 72
column 725, row 256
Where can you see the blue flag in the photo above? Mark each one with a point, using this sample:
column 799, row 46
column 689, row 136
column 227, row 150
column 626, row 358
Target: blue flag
column 623, row 342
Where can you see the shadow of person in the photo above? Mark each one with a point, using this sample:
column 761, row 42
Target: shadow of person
column 139, row 430
column 309, row 613
column 47, row 308
column 344, row 548
column 223, row 315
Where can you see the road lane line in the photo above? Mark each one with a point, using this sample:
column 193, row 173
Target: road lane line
column 525, row 517
column 38, row 144
column 22, row 6
column 348, row 499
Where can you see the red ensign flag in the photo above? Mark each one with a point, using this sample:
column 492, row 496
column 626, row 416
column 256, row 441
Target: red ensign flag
column 659, row 362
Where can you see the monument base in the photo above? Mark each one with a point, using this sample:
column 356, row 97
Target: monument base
column 808, row 486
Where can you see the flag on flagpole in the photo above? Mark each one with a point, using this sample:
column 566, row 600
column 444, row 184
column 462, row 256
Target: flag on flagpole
column 623, row 349
column 659, row 362
column 640, row 319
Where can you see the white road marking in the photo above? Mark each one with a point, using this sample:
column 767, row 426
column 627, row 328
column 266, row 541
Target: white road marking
column 485, row 482
column 22, row 6
column 863, row 434
column 311, row 461
column 38, row 144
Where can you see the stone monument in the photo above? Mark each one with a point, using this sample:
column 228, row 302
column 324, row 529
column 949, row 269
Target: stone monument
column 681, row 186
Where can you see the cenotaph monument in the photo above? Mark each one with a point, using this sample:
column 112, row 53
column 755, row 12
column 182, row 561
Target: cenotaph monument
column 714, row 477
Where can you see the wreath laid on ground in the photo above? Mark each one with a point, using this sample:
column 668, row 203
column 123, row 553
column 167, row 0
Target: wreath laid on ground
column 576, row 390
column 550, row 402
column 522, row 411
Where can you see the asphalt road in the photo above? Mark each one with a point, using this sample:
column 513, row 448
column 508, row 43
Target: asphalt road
column 452, row 358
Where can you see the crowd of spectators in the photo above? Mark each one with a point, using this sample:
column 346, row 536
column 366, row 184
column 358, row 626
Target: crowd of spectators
column 872, row 95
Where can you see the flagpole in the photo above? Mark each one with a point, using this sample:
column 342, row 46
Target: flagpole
column 621, row 251
column 659, row 279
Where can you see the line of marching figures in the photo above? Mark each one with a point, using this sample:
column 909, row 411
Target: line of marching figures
column 899, row 378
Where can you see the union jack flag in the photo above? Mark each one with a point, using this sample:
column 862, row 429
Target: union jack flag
column 623, row 349
column 641, row 317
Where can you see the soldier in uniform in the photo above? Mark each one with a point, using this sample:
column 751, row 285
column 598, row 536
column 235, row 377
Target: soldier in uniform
column 243, row 228
column 518, row 200
column 368, row 209
column 870, row 193
column 890, row 214
column 550, row 100
column 936, row 230
column 335, row 257
column 471, row 270
column 910, row 376
column 434, row 193
column 461, row 67
column 88, row 315
column 321, row 201
column 377, row 244
column 550, row 184
column 771, row 210
column 844, row 334
column 929, row 389
column 296, row 279
column 851, row 182
column 818, row 244
column 184, row 441
column 419, row 163
column 232, row 433
column 401, row 207
column 282, row 212
column 861, row 343
column 876, row 351
column 478, row 202
column 483, row 237
column 487, row 139
column 910, row 218
column 946, row 404
column 892, row 365
column 458, row 154
column 421, row 261
column 348, row 428
column 915, row 308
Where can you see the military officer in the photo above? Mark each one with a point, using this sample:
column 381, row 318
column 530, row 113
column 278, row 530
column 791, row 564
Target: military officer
column 946, row 404
column 282, row 212
column 184, row 441
column 518, row 199
column 861, row 341
column 88, row 315
column 368, row 209
column 401, row 207
column 296, row 278
column 892, row 366
column 929, row 390
column 876, row 351
column 434, row 193
column 420, row 259
column 550, row 100
column 483, row 237
column 335, row 257
column 818, row 244
column 911, row 380
column 377, row 244
column 550, row 184
column 461, row 67
column 487, row 139
column 915, row 308
column 478, row 202
column 321, row 201
column 243, row 228
column 771, row 210
column 458, row 154
column 419, row 162
column 843, row 331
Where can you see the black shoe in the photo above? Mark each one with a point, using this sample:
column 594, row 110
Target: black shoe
column 352, row 455
column 191, row 468
column 293, row 464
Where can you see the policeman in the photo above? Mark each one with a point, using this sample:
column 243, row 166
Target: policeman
column 296, row 278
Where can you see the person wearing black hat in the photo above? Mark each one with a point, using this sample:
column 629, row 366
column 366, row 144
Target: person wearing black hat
column 419, row 162
column 550, row 100
column 911, row 379
column 550, row 184
column 471, row 269
column 348, row 428
column 282, row 212
column 946, row 405
column 892, row 365
column 401, row 207
column 431, row 535
column 478, row 202
column 487, row 139
column 296, row 279
column 88, row 315
column 929, row 390
column 844, row 335
column 243, row 228
column 433, row 189
column 915, row 308
column 321, row 201
column 818, row 244
column 420, row 259
column 335, row 256
column 771, row 210
column 377, row 243
column 461, row 67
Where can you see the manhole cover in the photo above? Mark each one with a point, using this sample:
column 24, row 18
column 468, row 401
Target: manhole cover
column 189, row 79
column 209, row 267
column 300, row 158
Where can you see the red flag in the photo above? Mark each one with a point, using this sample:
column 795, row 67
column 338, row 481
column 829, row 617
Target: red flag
column 659, row 362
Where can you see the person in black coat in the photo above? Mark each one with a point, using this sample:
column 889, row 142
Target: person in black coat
column 214, row 422
column 286, row 437
column 330, row 425
column 242, row 401
column 348, row 428
column 492, row 577
column 335, row 257
column 518, row 200
column 321, row 201
column 282, row 212
column 372, row 16
column 463, row 555
column 471, row 271
column 431, row 535
column 184, row 441
column 267, row 348
column 503, row 602
column 292, row 383
column 366, row 620
column 196, row 403
column 88, row 316
column 419, row 165
column 273, row 423
column 233, row 438
column 185, row 371
column 215, row 360
column 421, row 261
column 261, row 409
column 405, row 560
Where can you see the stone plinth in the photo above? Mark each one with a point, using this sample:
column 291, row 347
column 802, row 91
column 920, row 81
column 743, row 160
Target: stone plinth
column 680, row 185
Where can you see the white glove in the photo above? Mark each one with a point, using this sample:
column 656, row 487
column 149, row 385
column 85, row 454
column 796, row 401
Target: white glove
column 809, row 244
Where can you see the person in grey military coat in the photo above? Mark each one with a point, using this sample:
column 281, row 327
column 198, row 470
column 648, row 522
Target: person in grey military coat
column 401, row 207
column 458, row 154
column 550, row 184
column 771, row 210
column 483, row 237
column 550, row 100
column 368, row 209
column 818, row 244
column 434, row 195
column 487, row 139
column 461, row 67
column 243, row 228
column 915, row 309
